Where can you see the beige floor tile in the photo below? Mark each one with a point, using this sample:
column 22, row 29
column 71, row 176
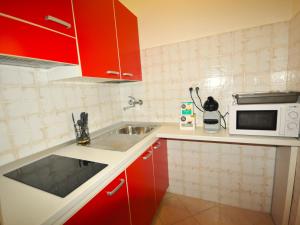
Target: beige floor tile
column 156, row 221
column 248, row 217
column 172, row 211
column 169, row 195
column 209, row 217
column 183, row 210
column 195, row 205
column 188, row 221
column 226, row 215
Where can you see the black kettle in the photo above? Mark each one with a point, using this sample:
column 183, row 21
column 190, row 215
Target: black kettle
column 211, row 104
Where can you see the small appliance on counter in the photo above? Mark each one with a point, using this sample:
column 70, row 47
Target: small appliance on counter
column 187, row 116
column 265, row 114
column 82, row 129
column 266, row 97
column 211, row 115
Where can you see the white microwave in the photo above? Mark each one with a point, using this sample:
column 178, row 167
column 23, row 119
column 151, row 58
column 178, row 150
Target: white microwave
column 265, row 119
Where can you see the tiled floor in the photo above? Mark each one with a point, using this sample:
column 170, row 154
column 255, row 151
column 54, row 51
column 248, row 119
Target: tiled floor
column 182, row 210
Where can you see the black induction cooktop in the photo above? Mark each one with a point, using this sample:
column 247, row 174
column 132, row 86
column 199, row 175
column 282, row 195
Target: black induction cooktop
column 56, row 174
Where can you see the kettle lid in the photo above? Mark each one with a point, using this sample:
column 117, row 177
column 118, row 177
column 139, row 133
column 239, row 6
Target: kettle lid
column 211, row 104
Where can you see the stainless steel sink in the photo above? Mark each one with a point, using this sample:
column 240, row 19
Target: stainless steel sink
column 133, row 130
column 121, row 138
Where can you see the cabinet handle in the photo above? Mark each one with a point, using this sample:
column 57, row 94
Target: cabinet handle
column 148, row 155
column 127, row 74
column 156, row 146
column 112, row 72
column 59, row 21
column 111, row 193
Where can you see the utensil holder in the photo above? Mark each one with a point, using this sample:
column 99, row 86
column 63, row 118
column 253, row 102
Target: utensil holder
column 82, row 135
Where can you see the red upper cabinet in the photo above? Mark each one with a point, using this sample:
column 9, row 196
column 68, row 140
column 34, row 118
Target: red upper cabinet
column 53, row 14
column 141, row 189
column 161, row 174
column 108, row 40
column 109, row 207
column 97, row 38
column 128, row 41
column 24, row 40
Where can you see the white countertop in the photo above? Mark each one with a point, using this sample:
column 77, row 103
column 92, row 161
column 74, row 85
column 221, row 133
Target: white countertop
column 22, row 204
column 174, row 132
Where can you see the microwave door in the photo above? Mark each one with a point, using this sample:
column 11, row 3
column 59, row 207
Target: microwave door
column 262, row 120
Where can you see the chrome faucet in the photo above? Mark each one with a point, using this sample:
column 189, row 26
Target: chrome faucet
column 132, row 102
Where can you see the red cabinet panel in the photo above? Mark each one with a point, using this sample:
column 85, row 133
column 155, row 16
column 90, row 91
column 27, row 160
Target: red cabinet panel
column 161, row 174
column 141, row 189
column 97, row 40
column 128, row 40
column 21, row 39
column 105, row 209
column 35, row 11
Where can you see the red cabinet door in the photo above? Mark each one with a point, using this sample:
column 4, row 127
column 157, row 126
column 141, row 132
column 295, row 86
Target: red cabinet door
column 141, row 189
column 24, row 40
column 97, row 39
column 161, row 174
column 105, row 208
column 128, row 40
column 36, row 11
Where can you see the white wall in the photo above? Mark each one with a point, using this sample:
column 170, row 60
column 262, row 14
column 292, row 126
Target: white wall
column 236, row 175
column 35, row 114
column 168, row 21
column 248, row 60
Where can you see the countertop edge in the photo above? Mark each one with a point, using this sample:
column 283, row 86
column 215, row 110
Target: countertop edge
column 167, row 130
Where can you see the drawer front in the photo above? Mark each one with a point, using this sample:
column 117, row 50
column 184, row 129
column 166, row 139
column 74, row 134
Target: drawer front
column 109, row 207
column 54, row 14
column 21, row 39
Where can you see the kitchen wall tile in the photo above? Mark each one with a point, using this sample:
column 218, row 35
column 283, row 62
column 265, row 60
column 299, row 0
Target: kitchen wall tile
column 293, row 83
column 11, row 94
column 7, row 158
column 36, row 113
column 9, row 76
column 247, row 60
column 4, row 142
column 2, row 113
column 293, row 74
column 237, row 175
column 28, row 77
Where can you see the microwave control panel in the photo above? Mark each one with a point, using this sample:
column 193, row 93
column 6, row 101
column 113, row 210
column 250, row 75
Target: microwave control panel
column 292, row 120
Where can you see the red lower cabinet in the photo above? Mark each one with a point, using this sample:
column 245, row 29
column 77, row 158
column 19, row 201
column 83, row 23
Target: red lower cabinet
column 147, row 182
column 109, row 207
column 141, row 189
column 160, row 163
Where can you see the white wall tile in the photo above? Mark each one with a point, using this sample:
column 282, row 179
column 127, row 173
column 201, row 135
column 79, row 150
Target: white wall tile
column 240, row 61
column 6, row 158
column 238, row 175
column 4, row 140
column 36, row 113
